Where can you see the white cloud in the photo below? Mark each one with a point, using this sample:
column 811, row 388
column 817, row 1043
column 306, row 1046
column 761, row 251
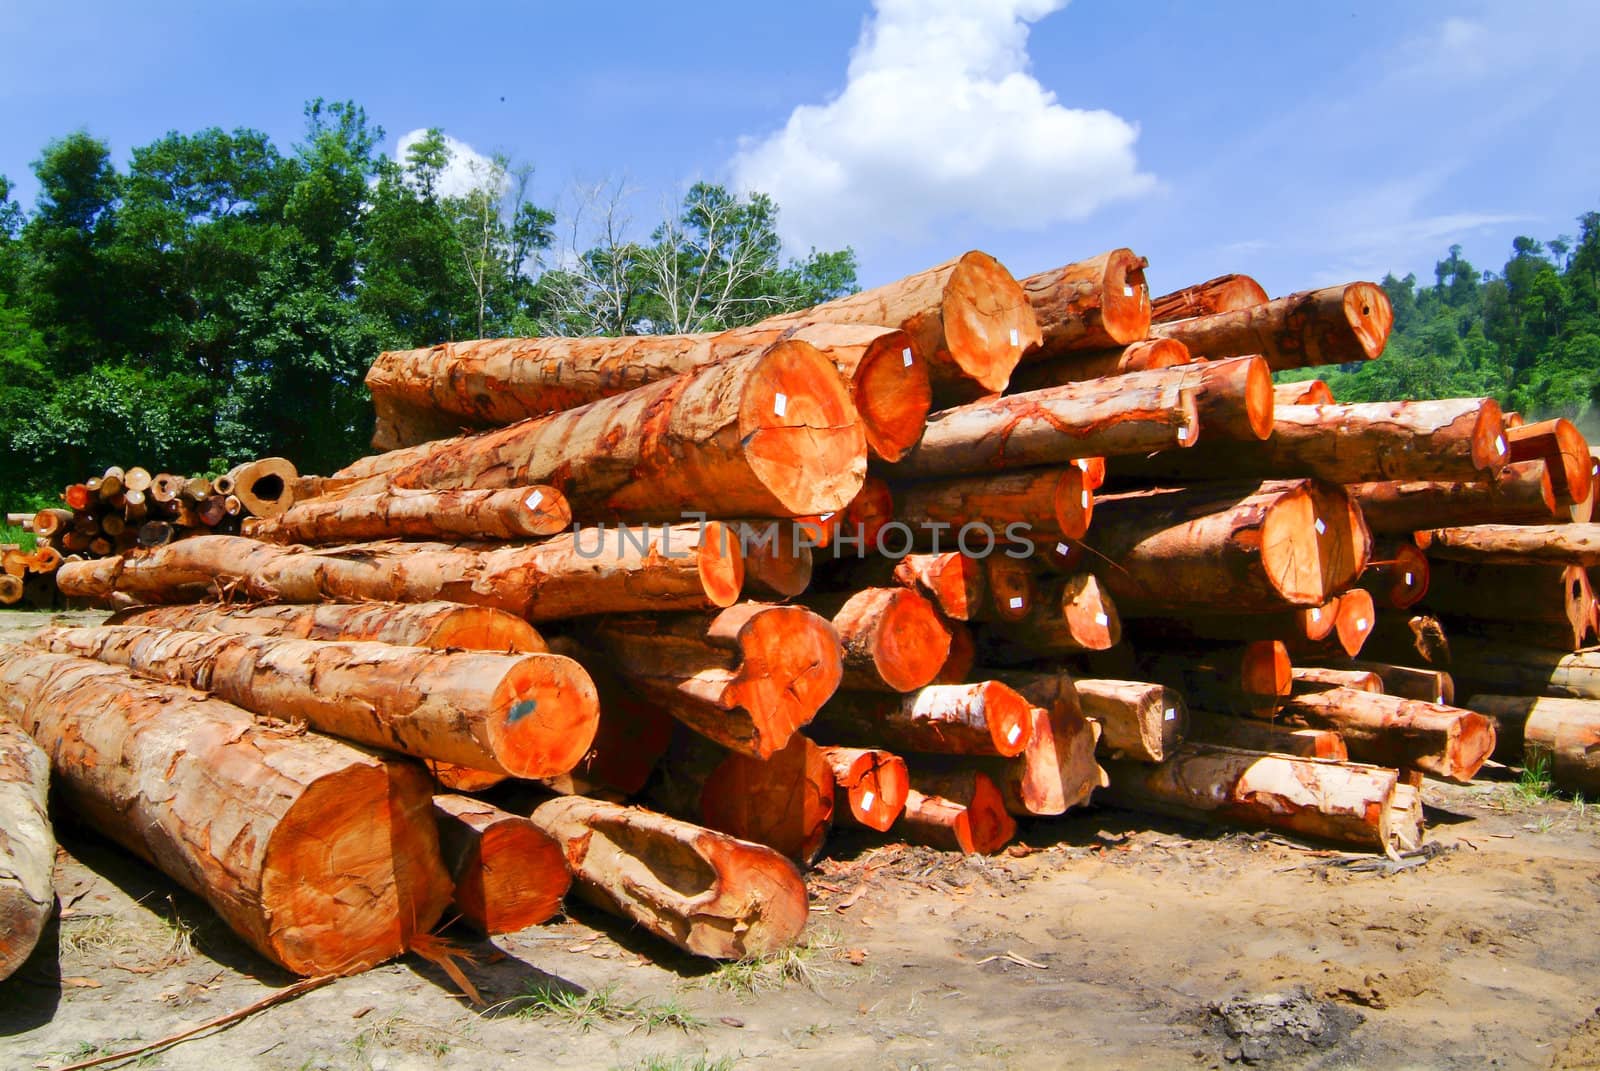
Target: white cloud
column 940, row 121
column 467, row 170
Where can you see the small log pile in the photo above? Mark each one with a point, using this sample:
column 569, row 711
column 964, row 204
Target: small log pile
column 951, row 555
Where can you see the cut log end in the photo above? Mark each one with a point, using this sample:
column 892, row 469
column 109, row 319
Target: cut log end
column 988, row 322
column 911, row 642
column 545, row 713
column 721, row 564
column 1314, row 542
column 508, row 874
column 1125, row 298
column 799, row 431
column 1353, row 620
column 1260, row 401
column 1008, row 715
column 892, row 393
column 1266, row 675
column 1370, row 316
column 785, row 802
column 266, row 487
column 790, row 666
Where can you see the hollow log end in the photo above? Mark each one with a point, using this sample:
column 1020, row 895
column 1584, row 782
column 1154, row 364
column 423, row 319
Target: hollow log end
column 1370, row 315
column 800, row 435
column 988, row 322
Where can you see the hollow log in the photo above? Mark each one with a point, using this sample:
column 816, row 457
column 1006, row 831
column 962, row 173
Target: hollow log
column 769, row 434
column 1248, row 734
column 960, row 811
column 872, row 785
column 747, row 677
column 1397, row 575
column 1561, row 446
column 1140, row 721
column 1052, row 427
column 1446, row 742
column 323, row 857
column 419, row 624
column 1410, row 682
column 508, row 874
column 266, row 487
column 1562, row 734
column 1304, row 392
column 892, row 638
column 1139, row 356
column 1249, row 548
column 10, row 589
column 511, row 513
column 1233, row 397
column 1051, row 503
column 27, row 846
column 685, row 567
column 968, row 319
column 48, row 522
column 705, row 892
column 1252, row 679
column 985, row 718
column 1222, row 294
column 1072, row 614
column 1520, row 493
column 1335, row 325
column 527, row 715
column 1505, row 544
column 1094, row 304
column 1341, row 802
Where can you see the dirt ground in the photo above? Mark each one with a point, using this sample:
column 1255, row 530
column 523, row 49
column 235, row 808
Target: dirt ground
column 1107, row 939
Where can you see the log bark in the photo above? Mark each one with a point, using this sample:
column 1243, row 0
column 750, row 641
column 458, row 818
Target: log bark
column 1562, row 734
column 1565, row 453
column 1052, row 427
column 1504, row 544
column 1142, row 356
column 323, row 857
column 968, row 319
column 1250, row 548
column 872, row 785
column 1305, row 392
column 1546, row 594
column 705, row 892
column 952, row 580
column 1094, row 304
column 1252, row 679
column 1410, row 682
column 420, row 624
column 1335, row 325
column 1445, row 439
column 1321, row 678
column 1418, row 639
column 27, row 847
column 784, row 802
column 512, row 513
column 527, row 715
column 1509, row 669
column 892, row 638
column 508, row 874
column 685, row 567
column 769, row 434
column 986, row 718
column 1225, row 293
column 1341, row 802
column 957, row 812
column 1442, row 741
column 747, row 677
column 1520, row 493
column 1233, row 397
column 1045, row 504
column 1248, row 734
column 1073, row 614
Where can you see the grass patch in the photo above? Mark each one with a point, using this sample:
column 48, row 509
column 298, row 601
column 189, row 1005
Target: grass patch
column 397, row 1033
column 142, row 940
column 805, row 963
column 585, row 1010
column 11, row 533
column 679, row 1063
column 1534, row 786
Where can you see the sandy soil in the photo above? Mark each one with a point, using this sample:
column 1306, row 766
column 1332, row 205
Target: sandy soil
column 1106, row 939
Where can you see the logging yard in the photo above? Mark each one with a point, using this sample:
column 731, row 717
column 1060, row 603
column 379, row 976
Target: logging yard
column 975, row 671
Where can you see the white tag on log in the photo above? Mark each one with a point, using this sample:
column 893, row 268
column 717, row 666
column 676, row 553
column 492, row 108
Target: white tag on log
column 1316, row 614
column 866, row 799
column 1172, row 714
column 534, row 499
column 905, row 356
column 1016, row 602
column 1063, row 550
column 1322, row 529
column 1408, row 580
column 825, row 518
column 1016, row 339
column 1102, row 620
column 1361, row 624
column 1127, row 291
column 1183, row 434
column 780, row 404
column 1016, row 731
column 1500, row 444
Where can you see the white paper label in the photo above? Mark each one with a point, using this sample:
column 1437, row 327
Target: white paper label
column 905, row 356
column 1063, row 549
column 1016, row 339
column 1086, row 498
column 1408, row 580
column 1316, row 614
column 866, row 799
column 1183, row 434
column 1016, row 731
column 1322, row 529
column 1127, row 291
column 534, row 499
column 1083, row 463
column 1172, row 713
column 780, row 404
column 1440, row 699
column 825, row 518
column 1500, row 444
column 1102, row 620
column 1016, row 602
column 1361, row 624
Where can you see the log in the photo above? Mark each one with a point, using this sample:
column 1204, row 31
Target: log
column 1444, row 439
column 784, row 802
column 10, row 589
column 707, row 893
column 1506, row 668
column 1248, row 734
column 1520, row 493
column 452, row 778
column 1445, row 742
column 1504, row 544
column 1335, row 325
column 321, row 856
column 968, row 319
column 1565, row 453
column 769, row 434
column 1095, row 304
column 869, row 512
column 1139, row 356
column 872, row 785
column 1321, row 678
column 747, row 677
column 1051, row 427
column 420, row 624
column 974, row 513
column 892, row 638
column 1334, row 801
column 1418, row 639
column 527, row 715
column 1056, row 772
column 777, row 555
column 265, row 487
column 1304, row 392
column 685, row 567
column 1410, row 682
column 1250, row 679
column 512, row 513
column 27, row 847
column 985, row 718
column 1013, row 588
column 1561, row 734
column 1545, row 594
column 1140, row 721
column 1072, row 614
column 1250, row 548
column 508, row 874
column 957, row 812
column 1233, row 397
column 1225, row 293
column 953, row 581
column 49, row 522
column 957, row 668
column 1354, row 617
column 1397, row 575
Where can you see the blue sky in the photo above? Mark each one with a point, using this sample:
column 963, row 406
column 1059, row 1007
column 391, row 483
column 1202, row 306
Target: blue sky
column 1304, row 144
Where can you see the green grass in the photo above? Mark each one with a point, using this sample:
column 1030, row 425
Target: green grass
column 678, row 1063
column 397, row 1033
column 10, row 533
column 1534, row 785
column 585, row 1010
column 804, row 964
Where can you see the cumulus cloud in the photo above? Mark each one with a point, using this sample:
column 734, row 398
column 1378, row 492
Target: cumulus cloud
column 467, row 170
column 940, row 121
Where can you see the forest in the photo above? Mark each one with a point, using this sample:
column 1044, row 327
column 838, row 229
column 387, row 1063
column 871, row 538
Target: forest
column 220, row 298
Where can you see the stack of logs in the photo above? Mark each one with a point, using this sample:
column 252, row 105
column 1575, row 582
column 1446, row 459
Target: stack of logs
column 774, row 595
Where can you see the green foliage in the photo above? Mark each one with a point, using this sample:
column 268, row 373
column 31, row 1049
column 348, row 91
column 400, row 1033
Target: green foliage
column 223, row 297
